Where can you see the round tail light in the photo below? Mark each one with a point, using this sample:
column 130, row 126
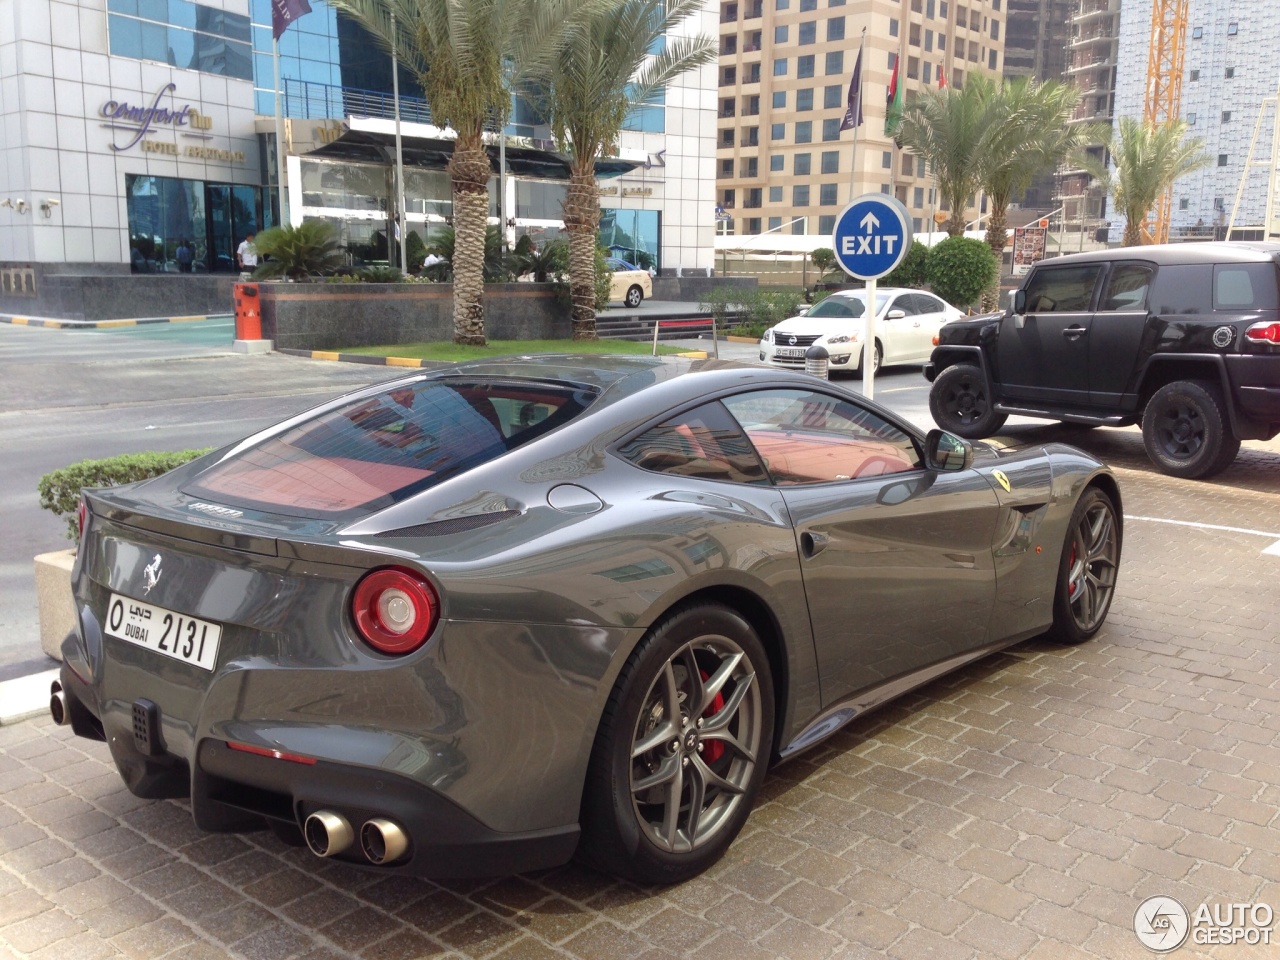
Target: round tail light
column 82, row 516
column 394, row 610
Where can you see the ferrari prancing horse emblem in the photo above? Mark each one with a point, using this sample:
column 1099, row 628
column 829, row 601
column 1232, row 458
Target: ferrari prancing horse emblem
column 1003, row 480
column 151, row 573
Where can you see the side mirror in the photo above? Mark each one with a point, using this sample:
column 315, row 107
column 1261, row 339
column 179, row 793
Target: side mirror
column 803, row 309
column 1020, row 301
column 947, row 453
column 895, row 314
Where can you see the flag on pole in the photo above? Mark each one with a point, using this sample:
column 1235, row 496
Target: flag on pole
column 853, row 112
column 893, row 102
column 284, row 12
column 942, row 78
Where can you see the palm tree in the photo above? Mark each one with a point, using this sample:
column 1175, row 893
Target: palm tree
column 1031, row 134
column 1147, row 160
column 604, row 71
column 950, row 129
column 467, row 55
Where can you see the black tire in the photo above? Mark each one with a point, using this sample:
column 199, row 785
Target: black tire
column 879, row 360
column 635, row 296
column 960, row 403
column 642, row 758
column 1087, row 570
column 1186, row 430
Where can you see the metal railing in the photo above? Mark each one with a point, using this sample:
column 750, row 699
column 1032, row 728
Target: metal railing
column 308, row 100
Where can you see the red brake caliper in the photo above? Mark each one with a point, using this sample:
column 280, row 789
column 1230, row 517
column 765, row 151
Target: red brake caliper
column 714, row 749
column 1071, row 586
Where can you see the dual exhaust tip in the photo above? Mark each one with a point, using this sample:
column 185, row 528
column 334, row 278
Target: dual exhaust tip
column 329, row 834
column 58, row 705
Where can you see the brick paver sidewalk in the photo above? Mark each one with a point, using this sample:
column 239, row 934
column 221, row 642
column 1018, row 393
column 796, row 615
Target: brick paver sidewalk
column 1022, row 808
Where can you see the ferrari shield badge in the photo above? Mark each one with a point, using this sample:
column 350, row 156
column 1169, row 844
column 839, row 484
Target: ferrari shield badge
column 1001, row 478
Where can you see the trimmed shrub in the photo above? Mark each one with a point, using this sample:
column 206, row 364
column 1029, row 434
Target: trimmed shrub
column 911, row 271
column 959, row 269
column 60, row 489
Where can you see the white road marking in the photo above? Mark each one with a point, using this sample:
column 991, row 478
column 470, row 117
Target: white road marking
column 1273, row 550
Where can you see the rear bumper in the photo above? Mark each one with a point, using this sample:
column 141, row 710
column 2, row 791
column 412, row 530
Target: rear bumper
column 231, row 790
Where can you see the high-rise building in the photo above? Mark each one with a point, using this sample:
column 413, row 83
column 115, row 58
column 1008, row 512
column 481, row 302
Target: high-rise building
column 1232, row 50
column 1035, row 46
column 782, row 162
column 1091, row 66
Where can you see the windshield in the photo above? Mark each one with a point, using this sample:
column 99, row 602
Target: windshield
column 375, row 451
column 846, row 307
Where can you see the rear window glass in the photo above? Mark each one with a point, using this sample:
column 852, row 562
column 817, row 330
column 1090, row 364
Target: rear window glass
column 375, row 451
column 1244, row 286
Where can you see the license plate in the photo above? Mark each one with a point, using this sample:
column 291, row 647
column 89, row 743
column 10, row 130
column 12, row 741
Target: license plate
column 790, row 352
column 175, row 635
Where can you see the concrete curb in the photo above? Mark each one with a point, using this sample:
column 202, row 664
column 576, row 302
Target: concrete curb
column 25, row 697
column 103, row 324
column 373, row 359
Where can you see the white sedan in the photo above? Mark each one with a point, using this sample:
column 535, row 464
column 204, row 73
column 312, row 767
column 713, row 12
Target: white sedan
column 630, row 284
column 906, row 323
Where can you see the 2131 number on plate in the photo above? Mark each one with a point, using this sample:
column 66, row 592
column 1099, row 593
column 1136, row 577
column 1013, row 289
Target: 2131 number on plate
column 175, row 635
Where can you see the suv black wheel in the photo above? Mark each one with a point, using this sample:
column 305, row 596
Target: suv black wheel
column 960, row 403
column 681, row 750
column 1087, row 569
column 1186, row 430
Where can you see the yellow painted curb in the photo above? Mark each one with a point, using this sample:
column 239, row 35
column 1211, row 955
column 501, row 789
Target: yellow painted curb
column 403, row 362
column 323, row 355
column 743, row 339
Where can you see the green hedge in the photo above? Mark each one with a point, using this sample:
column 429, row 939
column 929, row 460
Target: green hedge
column 60, row 490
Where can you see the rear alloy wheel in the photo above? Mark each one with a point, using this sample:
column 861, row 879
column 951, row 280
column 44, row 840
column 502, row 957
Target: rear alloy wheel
column 1087, row 570
column 960, row 403
column 634, row 295
column 1186, row 431
column 681, row 749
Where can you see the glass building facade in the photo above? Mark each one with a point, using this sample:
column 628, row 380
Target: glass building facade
column 181, row 34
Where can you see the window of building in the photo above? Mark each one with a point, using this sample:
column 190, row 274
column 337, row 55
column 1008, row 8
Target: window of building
column 776, row 162
column 804, row 99
column 778, row 131
column 780, row 34
column 804, row 66
column 942, row 41
column 827, row 195
column 830, row 161
column 835, row 28
column 775, row 194
column 780, row 67
column 917, row 197
column 726, row 138
column 752, row 198
column 893, row 27
column 992, row 59
column 913, row 35
column 995, row 4
column 750, row 167
column 928, row 72
column 1193, row 76
column 779, row 99
column 1232, row 29
column 942, row 9
column 1222, row 159
column 800, row 195
column 799, row 226
column 835, row 62
column 751, row 106
column 782, row 4
column 775, row 223
column 726, row 168
column 728, row 76
column 1191, row 119
column 802, row 164
column 995, row 29
column 886, row 159
column 1226, row 116
column 827, row 224
column 1229, row 72
column 836, row 3
column 728, row 108
column 1184, row 204
column 808, row 32
column 831, row 129
column 832, row 96
column 928, row 41
column 928, row 9
column 730, row 199
column 1197, row 33
column 804, row 131
column 751, row 225
column 917, row 224
column 750, row 136
column 913, row 68
column 1217, row 203
column 807, row 5
column 181, row 34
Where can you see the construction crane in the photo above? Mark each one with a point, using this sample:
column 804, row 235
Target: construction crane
column 1164, row 93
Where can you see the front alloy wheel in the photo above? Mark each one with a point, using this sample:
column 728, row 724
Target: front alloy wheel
column 1088, row 568
column 634, row 296
column 681, row 750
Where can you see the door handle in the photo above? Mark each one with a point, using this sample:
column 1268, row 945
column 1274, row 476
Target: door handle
column 812, row 544
column 1075, row 333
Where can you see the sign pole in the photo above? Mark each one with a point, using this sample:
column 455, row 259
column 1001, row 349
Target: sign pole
column 280, row 189
column 869, row 348
column 401, row 226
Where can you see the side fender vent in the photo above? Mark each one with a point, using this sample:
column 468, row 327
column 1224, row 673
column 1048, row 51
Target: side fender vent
column 440, row 528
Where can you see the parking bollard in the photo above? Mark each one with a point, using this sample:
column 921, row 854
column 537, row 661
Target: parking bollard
column 815, row 361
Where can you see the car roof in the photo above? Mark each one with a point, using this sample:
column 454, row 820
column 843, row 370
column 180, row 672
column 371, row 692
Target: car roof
column 1221, row 251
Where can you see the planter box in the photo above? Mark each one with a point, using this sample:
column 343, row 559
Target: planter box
column 53, row 597
column 330, row 316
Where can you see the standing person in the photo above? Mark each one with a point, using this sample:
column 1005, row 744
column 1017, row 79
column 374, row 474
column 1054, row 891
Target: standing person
column 184, row 256
column 247, row 255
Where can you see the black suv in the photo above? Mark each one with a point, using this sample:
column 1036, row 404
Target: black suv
column 1182, row 338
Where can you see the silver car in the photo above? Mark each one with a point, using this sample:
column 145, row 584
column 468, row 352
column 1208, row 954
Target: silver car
column 474, row 621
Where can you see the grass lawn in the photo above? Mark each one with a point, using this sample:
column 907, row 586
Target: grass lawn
column 502, row 348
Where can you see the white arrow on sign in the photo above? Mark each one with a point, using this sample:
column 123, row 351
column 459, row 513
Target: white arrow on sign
column 870, row 222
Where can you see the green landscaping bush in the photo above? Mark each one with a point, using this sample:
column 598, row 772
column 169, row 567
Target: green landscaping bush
column 911, row 272
column 60, row 489
column 959, row 269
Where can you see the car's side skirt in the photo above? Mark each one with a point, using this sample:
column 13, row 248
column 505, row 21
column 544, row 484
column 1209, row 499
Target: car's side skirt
column 838, row 714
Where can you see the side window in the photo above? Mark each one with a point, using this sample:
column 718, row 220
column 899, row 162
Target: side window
column 1060, row 289
column 906, row 303
column 1182, row 289
column 1244, row 286
column 928, row 304
column 808, row 437
column 1127, row 287
column 705, row 442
